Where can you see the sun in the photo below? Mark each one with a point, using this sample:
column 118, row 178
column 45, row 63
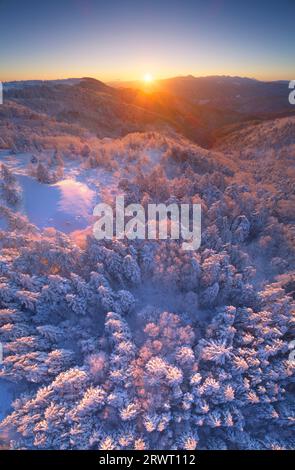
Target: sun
column 148, row 78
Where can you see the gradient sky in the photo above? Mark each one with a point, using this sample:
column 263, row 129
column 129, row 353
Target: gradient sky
column 112, row 40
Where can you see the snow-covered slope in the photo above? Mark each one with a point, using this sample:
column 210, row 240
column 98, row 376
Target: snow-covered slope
column 121, row 344
column 33, row 83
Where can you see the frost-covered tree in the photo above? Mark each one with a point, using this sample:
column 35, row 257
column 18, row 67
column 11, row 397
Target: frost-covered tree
column 138, row 344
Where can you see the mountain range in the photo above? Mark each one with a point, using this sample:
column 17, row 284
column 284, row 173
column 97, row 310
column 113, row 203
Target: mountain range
column 200, row 108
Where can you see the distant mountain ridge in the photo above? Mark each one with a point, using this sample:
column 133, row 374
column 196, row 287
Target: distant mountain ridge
column 200, row 108
column 242, row 94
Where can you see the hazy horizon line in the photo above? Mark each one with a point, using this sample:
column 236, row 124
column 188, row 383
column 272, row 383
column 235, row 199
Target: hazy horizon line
column 155, row 79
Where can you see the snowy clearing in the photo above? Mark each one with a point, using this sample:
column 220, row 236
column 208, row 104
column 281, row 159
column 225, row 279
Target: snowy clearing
column 66, row 205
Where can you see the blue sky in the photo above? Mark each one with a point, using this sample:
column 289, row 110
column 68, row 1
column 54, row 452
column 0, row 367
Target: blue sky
column 112, row 40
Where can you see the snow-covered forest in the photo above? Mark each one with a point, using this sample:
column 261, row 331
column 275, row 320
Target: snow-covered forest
column 138, row 344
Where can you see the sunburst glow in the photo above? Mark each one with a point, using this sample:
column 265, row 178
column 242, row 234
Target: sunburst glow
column 148, row 78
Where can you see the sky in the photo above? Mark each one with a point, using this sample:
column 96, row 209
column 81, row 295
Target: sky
column 124, row 40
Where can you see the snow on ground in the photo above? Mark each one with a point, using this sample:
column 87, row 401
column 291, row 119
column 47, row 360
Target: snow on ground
column 18, row 163
column 66, row 205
